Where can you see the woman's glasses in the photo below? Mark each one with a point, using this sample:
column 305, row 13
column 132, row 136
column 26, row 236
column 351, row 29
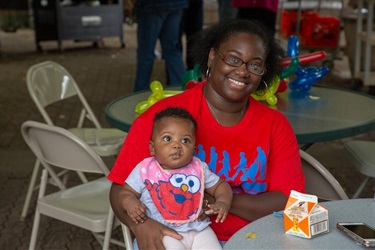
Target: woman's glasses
column 236, row 62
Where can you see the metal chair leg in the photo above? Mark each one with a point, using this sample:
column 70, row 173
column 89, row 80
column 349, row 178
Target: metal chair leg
column 360, row 188
column 30, row 190
column 35, row 229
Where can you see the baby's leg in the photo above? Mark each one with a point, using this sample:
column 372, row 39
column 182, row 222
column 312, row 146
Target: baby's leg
column 171, row 243
column 206, row 239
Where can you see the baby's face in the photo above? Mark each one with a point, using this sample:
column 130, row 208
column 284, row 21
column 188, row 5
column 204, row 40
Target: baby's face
column 173, row 142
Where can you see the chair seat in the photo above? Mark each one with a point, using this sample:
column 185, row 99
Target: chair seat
column 85, row 205
column 362, row 155
column 104, row 141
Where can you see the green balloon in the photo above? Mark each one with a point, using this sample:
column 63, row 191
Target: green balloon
column 291, row 69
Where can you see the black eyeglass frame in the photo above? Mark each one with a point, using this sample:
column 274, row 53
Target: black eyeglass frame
column 222, row 57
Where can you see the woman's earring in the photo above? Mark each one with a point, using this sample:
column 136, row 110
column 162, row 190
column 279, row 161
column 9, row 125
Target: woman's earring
column 208, row 72
column 265, row 85
column 264, row 90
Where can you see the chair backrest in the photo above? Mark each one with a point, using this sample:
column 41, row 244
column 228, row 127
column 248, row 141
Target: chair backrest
column 49, row 82
column 57, row 147
column 319, row 181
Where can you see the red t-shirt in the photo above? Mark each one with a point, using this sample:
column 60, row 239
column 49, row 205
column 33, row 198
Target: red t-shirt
column 257, row 155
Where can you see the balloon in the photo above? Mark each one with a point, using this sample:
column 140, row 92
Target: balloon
column 269, row 96
column 283, row 85
column 290, row 69
column 157, row 94
column 192, row 74
column 304, row 59
column 157, row 90
column 293, row 46
column 306, row 77
column 141, row 107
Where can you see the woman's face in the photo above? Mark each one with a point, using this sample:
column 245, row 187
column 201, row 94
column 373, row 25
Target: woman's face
column 236, row 83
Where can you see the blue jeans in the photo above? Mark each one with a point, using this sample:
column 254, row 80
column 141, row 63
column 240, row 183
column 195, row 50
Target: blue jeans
column 226, row 10
column 163, row 25
column 192, row 22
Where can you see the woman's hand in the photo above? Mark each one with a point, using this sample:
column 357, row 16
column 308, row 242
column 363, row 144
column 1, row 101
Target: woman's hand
column 150, row 233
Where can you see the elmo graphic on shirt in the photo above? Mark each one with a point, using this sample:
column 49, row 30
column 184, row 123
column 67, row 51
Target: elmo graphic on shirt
column 178, row 199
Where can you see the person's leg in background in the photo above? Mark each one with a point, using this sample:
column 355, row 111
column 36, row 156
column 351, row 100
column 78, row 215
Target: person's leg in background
column 266, row 16
column 170, row 36
column 149, row 26
column 192, row 22
column 226, row 10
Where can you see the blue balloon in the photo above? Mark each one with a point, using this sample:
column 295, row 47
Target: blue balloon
column 293, row 46
column 306, row 77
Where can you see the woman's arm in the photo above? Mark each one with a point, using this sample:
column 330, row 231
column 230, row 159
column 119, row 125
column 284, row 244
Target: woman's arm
column 150, row 233
column 253, row 207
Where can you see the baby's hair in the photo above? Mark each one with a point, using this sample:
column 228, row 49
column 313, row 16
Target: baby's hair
column 177, row 113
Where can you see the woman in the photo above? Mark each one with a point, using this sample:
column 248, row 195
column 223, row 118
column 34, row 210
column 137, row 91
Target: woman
column 248, row 144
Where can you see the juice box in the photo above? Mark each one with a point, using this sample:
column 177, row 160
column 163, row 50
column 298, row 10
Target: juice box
column 304, row 217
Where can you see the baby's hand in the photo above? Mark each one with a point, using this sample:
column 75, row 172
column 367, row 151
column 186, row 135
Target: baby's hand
column 136, row 211
column 219, row 208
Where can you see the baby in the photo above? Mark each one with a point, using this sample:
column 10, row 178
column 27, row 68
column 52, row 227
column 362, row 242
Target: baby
column 169, row 186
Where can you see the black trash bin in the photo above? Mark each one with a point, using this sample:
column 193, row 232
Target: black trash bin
column 57, row 21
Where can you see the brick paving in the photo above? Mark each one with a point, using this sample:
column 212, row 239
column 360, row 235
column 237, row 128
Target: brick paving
column 103, row 74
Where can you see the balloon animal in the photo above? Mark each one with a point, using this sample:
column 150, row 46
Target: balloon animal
column 269, row 96
column 305, row 76
column 157, row 94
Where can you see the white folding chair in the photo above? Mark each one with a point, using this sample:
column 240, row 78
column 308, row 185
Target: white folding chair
column 127, row 237
column 362, row 155
column 85, row 205
column 319, row 181
column 49, row 82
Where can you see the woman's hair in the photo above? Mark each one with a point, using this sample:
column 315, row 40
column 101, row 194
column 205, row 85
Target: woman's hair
column 214, row 36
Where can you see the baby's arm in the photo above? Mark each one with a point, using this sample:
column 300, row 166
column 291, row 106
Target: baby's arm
column 130, row 201
column 223, row 196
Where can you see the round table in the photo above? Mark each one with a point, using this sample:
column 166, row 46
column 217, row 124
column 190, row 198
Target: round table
column 321, row 114
column 270, row 234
